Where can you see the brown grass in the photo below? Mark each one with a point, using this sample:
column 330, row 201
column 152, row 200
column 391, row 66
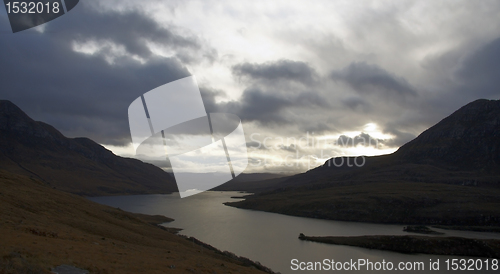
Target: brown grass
column 41, row 228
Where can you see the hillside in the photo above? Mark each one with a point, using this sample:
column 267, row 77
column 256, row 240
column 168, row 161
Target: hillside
column 76, row 165
column 449, row 174
column 42, row 228
column 468, row 139
column 252, row 182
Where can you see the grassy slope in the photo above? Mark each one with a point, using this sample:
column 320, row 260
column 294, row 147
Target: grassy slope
column 41, row 228
column 390, row 202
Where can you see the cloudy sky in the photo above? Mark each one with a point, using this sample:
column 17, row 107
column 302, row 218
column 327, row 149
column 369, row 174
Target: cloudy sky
column 309, row 79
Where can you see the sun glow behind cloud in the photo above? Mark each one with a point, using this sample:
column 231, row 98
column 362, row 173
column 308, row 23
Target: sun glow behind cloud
column 277, row 153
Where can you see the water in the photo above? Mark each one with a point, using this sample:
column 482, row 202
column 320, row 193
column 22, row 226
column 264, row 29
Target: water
column 271, row 239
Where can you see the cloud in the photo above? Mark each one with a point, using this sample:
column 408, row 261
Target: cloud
column 133, row 32
column 82, row 93
column 289, row 148
column 295, row 69
column 356, row 103
column 209, row 96
column 362, row 139
column 459, row 76
column 271, row 108
column 276, row 93
column 366, row 78
column 287, row 70
column 366, row 140
column 480, row 71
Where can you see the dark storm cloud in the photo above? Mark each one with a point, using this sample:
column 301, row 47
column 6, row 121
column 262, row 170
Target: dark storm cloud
column 271, row 101
column 480, row 71
column 272, row 97
column 133, row 30
column 84, row 95
column 256, row 105
column 278, row 70
column 465, row 75
column 87, row 95
column 356, row 103
column 209, row 95
column 366, row 78
column 270, row 108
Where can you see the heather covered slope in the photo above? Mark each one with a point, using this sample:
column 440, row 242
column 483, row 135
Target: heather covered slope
column 450, row 174
column 76, row 165
column 42, row 228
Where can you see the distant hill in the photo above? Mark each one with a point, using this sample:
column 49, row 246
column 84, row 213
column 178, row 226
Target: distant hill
column 76, row 165
column 252, row 182
column 449, row 174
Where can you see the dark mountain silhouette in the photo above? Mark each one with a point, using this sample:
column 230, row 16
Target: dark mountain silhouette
column 468, row 139
column 449, row 174
column 463, row 148
column 77, row 165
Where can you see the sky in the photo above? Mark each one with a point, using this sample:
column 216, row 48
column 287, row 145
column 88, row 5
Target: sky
column 310, row 80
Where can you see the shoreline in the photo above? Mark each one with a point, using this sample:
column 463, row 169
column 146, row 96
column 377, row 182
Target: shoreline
column 492, row 229
column 416, row 244
column 160, row 220
column 406, row 204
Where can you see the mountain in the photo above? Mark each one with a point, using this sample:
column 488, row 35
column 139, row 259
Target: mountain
column 76, row 165
column 468, row 139
column 252, row 182
column 448, row 175
column 463, row 148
